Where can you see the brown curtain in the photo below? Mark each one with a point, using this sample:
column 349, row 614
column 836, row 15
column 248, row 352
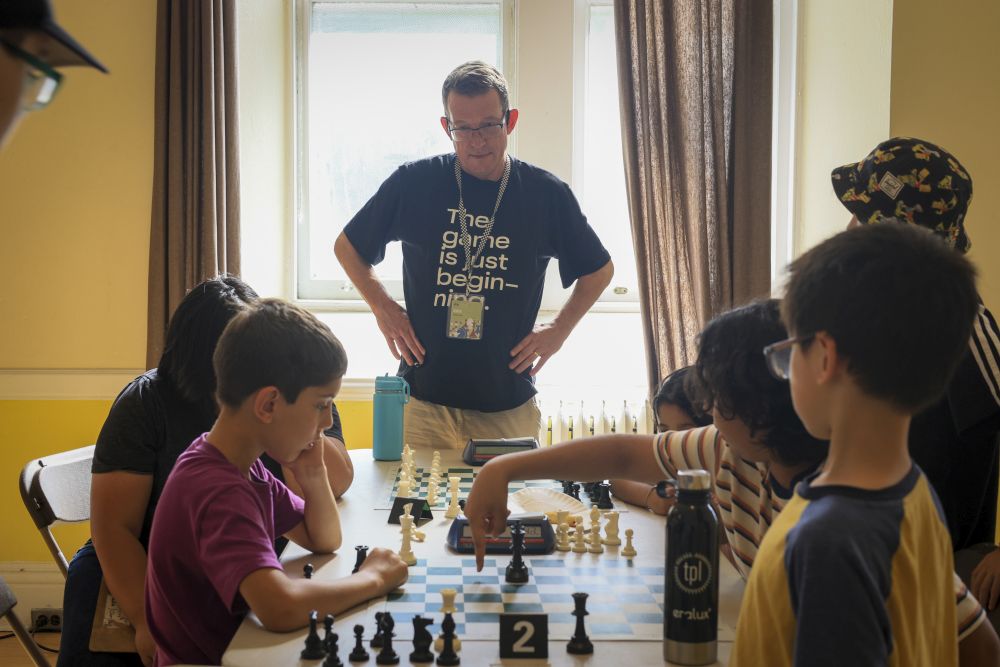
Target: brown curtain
column 195, row 230
column 695, row 93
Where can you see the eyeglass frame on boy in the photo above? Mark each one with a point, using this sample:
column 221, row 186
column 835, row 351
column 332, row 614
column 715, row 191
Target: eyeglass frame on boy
column 485, row 132
column 779, row 355
column 37, row 69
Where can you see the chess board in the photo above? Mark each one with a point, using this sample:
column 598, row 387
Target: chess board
column 625, row 603
column 465, row 475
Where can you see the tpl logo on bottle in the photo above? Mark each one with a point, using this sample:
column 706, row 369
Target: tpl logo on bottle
column 693, row 572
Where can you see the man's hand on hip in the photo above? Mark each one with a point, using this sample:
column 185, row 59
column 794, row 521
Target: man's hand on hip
column 543, row 341
column 395, row 325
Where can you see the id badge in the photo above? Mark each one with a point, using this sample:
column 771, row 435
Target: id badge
column 465, row 318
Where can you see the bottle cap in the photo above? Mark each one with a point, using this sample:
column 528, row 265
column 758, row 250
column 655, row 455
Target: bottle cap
column 694, row 480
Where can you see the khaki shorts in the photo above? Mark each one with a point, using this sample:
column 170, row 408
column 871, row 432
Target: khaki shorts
column 433, row 426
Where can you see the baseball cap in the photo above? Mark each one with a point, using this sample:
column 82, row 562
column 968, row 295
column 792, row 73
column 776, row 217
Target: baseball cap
column 37, row 15
column 909, row 180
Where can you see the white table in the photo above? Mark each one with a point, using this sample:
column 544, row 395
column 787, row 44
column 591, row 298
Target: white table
column 254, row 645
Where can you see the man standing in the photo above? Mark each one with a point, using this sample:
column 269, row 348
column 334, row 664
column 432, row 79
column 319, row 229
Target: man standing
column 32, row 45
column 478, row 229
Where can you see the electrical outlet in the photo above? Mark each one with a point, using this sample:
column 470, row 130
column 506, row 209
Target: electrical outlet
column 46, row 619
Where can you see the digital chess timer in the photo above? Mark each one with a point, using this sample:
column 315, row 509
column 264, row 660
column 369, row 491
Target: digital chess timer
column 539, row 537
column 478, row 452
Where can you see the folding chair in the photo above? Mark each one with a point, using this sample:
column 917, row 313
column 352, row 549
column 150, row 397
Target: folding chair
column 57, row 488
column 7, row 602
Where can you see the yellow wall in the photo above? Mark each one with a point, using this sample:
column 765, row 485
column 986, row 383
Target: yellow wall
column 31, row 429
column 946, row 88
column 76, row 187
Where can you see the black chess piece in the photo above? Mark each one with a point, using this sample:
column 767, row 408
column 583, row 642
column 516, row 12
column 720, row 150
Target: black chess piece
column 604, row 498
column 448, row 657
column 330, row 640
column 575, row 488
column 517, row 571
column 579, row 643
column 362, row 554
column 314, row 649
column 307, row 570
column 422, row 640
column 376, row 641
column 388, row 655
column 359, row 654
column 567, row 487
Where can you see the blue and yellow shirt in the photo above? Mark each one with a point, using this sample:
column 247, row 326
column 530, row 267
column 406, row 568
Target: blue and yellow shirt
column 847, row 576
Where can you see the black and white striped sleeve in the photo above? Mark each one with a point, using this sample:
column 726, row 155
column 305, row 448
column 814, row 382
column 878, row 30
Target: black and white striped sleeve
column 974, row 391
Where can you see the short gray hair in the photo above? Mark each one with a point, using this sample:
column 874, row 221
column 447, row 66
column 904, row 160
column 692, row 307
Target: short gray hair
column 475, row 78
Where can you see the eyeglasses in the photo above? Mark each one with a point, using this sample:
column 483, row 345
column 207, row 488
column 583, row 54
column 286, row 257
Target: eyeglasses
column 41, row 81
column 485, row 132
column 779, row 355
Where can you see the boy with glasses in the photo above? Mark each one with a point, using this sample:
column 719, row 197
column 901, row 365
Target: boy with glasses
column 32, row 46
column 478, row 228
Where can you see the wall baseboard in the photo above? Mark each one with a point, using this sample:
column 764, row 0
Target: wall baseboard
column 35, row 584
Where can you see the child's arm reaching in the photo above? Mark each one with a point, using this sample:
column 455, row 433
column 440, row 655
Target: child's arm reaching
column 617, row 456
column 283, row 604
column 641, row 494
column 319, row 530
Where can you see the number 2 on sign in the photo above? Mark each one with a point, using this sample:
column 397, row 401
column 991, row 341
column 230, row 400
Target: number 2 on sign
column 524, row 636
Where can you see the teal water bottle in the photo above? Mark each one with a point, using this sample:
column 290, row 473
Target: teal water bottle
column 391, row 394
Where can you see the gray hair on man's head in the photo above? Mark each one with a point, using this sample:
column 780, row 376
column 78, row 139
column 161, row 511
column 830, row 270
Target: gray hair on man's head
column 475, row 78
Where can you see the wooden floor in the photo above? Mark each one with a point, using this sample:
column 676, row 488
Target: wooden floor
column 13, row 655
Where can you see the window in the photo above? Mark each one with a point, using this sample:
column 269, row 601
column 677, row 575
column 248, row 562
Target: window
column 370, row 77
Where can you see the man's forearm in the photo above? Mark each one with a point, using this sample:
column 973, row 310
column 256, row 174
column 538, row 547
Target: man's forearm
column 361, row 274
column 123, row 562
column 585, row 294
column 589, row 459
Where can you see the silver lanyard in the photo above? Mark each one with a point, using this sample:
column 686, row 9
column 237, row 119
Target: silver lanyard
column 466, row 238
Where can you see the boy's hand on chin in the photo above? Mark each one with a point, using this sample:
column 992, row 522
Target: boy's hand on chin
column 309, row 463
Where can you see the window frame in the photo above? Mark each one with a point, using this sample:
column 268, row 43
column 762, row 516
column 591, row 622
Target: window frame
column 341, row 295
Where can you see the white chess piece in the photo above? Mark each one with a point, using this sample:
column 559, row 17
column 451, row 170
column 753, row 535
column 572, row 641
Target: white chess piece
column 628, row 551
column 611, row 529
column 403, row 489
column 447, row 605
column 432, row 492
column 405, row 552
column 594, row 543
column 562, row 537
column 453, row 508
column 579, row 547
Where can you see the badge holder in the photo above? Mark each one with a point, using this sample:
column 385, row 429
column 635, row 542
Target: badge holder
column 465, row 318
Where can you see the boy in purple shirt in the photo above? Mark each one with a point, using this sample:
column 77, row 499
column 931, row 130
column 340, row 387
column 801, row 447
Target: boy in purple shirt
column 211, row 549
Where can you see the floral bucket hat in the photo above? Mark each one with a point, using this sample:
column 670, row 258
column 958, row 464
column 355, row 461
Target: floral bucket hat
column 909, row 180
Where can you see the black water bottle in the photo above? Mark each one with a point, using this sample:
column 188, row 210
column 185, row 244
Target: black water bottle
column 690, row 617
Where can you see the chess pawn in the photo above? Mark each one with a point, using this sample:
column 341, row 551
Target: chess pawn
column 562, row 516
column 611, row 530
column 628, row 551
column 579, row 547
column 562, row 537
column 594, row 543
column 405, row 552
column 453, row 508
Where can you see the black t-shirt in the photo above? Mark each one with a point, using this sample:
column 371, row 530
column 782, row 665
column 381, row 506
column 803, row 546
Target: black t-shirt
column 955, row 440
column 148, row 427
column 538, row 219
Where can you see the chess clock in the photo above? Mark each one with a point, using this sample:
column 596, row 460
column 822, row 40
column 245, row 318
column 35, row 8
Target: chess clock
column 539, row 538
column 478, row 452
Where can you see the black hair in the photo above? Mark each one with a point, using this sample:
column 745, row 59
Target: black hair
column 898, row 303
column 731, row 376
column 275, row 343
column 194, row 331
column 673, row 391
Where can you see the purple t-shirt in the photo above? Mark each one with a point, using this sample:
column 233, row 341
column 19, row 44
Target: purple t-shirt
column 213, row 527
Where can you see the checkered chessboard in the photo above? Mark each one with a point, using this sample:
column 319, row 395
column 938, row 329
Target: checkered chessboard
column 466, row 476
column 625, row 603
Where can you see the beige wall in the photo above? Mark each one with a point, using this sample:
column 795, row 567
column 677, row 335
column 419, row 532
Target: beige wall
column 843, row 104
column 76, row 186
column 946, row 88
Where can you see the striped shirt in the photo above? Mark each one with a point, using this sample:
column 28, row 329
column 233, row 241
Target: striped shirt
column 749, row 500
